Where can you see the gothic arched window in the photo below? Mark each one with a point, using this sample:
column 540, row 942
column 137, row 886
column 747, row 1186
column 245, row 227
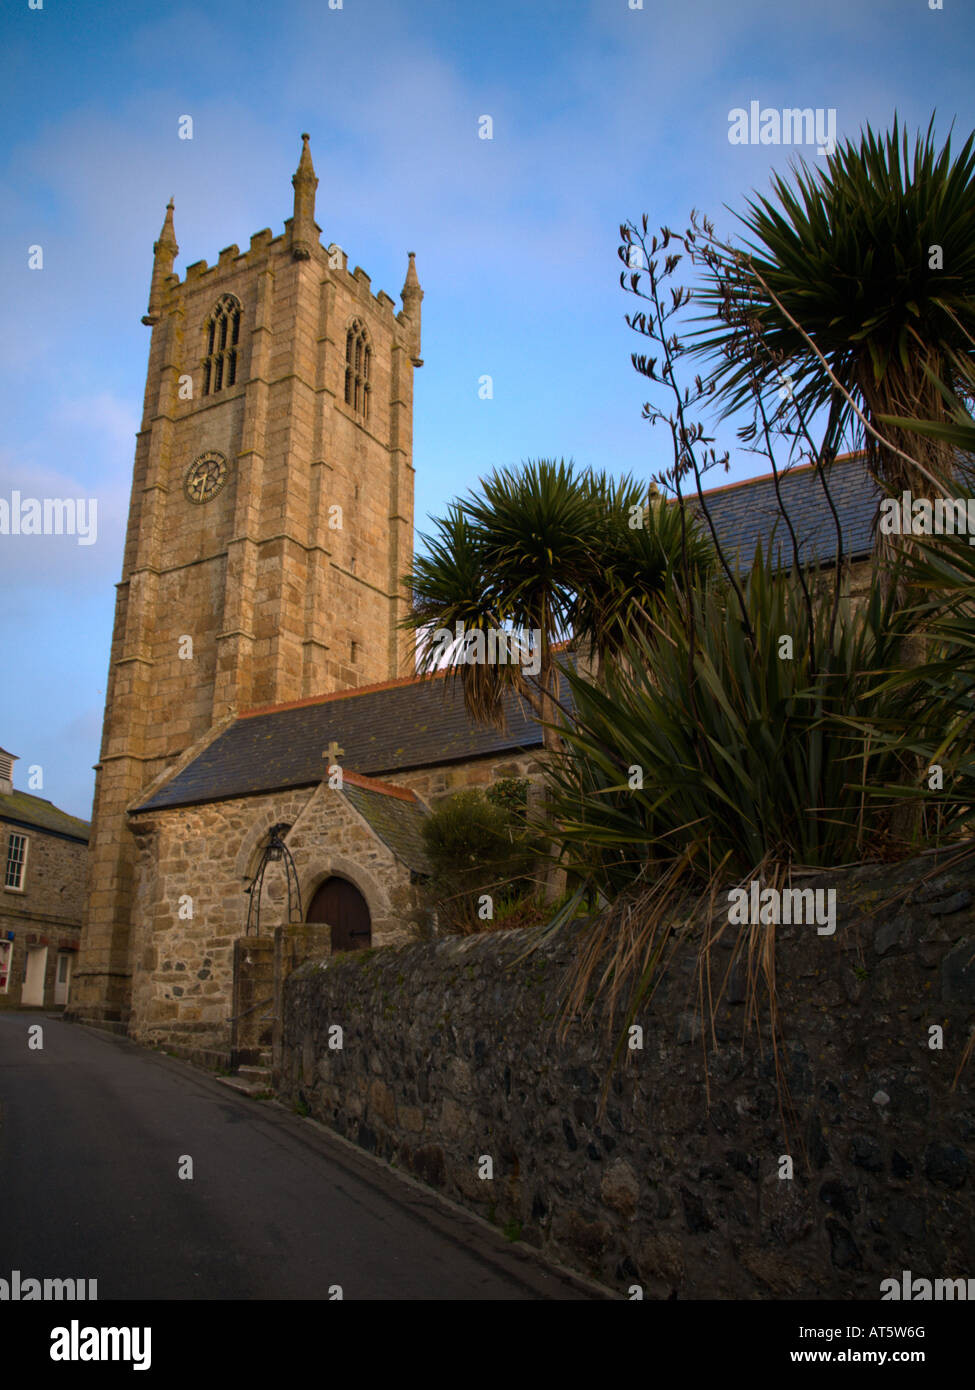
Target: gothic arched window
column 222, row 331
column 358, row 358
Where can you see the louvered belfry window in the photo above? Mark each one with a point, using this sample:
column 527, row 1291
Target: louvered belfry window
column 222, row 338
column 358, row 358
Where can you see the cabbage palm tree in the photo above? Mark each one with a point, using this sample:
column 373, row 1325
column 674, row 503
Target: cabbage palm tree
column 874, row 257
column 569, row 556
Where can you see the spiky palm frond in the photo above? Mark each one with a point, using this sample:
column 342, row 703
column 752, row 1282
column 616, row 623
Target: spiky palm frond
column 450, row 590
column 645, row 543
column 875, row 258
column 536, row 525
column 551, row 550
column 767, row 770
column 448, row 581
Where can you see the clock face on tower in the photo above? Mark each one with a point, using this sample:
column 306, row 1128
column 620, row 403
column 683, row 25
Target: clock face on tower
column 205, row 477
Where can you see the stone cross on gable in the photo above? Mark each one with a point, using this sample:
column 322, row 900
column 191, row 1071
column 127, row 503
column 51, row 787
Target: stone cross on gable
column 333, row 752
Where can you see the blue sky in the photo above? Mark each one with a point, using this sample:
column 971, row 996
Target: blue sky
column 601, row 113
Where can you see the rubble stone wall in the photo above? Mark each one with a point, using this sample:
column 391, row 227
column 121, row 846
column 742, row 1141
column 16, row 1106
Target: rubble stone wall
column 679, row 1184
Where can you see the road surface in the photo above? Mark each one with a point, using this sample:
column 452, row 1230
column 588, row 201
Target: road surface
column 93, row 1130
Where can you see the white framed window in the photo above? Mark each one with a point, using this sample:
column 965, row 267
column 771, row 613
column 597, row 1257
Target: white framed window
column 6, row 951
column 16, row 867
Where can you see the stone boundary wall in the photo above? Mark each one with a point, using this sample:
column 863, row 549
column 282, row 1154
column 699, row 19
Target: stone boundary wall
column 448, row 1056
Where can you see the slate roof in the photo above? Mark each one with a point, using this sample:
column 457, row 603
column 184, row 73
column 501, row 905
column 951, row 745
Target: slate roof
column 20, row 808
column 748, row 512
column 381, row 730
column 394, row 814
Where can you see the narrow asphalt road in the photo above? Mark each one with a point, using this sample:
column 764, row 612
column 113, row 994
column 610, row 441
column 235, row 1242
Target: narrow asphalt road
column 92, row 1133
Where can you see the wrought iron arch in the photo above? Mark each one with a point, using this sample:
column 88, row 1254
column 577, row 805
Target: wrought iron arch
column 275, row 850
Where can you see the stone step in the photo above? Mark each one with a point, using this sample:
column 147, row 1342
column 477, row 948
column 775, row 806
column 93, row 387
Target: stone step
column 255, row 1074
column 246, row 1086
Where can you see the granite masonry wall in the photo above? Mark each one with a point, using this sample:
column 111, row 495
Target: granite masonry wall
column 433, row 784
column 448, row 1057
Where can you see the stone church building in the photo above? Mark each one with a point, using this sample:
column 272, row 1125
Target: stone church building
column 268, row 755
column 260, row 689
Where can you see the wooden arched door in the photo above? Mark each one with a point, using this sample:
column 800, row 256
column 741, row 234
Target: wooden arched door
column 339, row 903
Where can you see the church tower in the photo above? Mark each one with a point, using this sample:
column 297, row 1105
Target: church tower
column 270, row 522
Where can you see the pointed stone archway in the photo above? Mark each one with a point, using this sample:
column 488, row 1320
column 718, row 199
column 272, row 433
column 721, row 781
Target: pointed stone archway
column 338, row 903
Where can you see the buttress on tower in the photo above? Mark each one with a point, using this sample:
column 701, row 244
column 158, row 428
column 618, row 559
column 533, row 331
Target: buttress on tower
column 270, row 523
